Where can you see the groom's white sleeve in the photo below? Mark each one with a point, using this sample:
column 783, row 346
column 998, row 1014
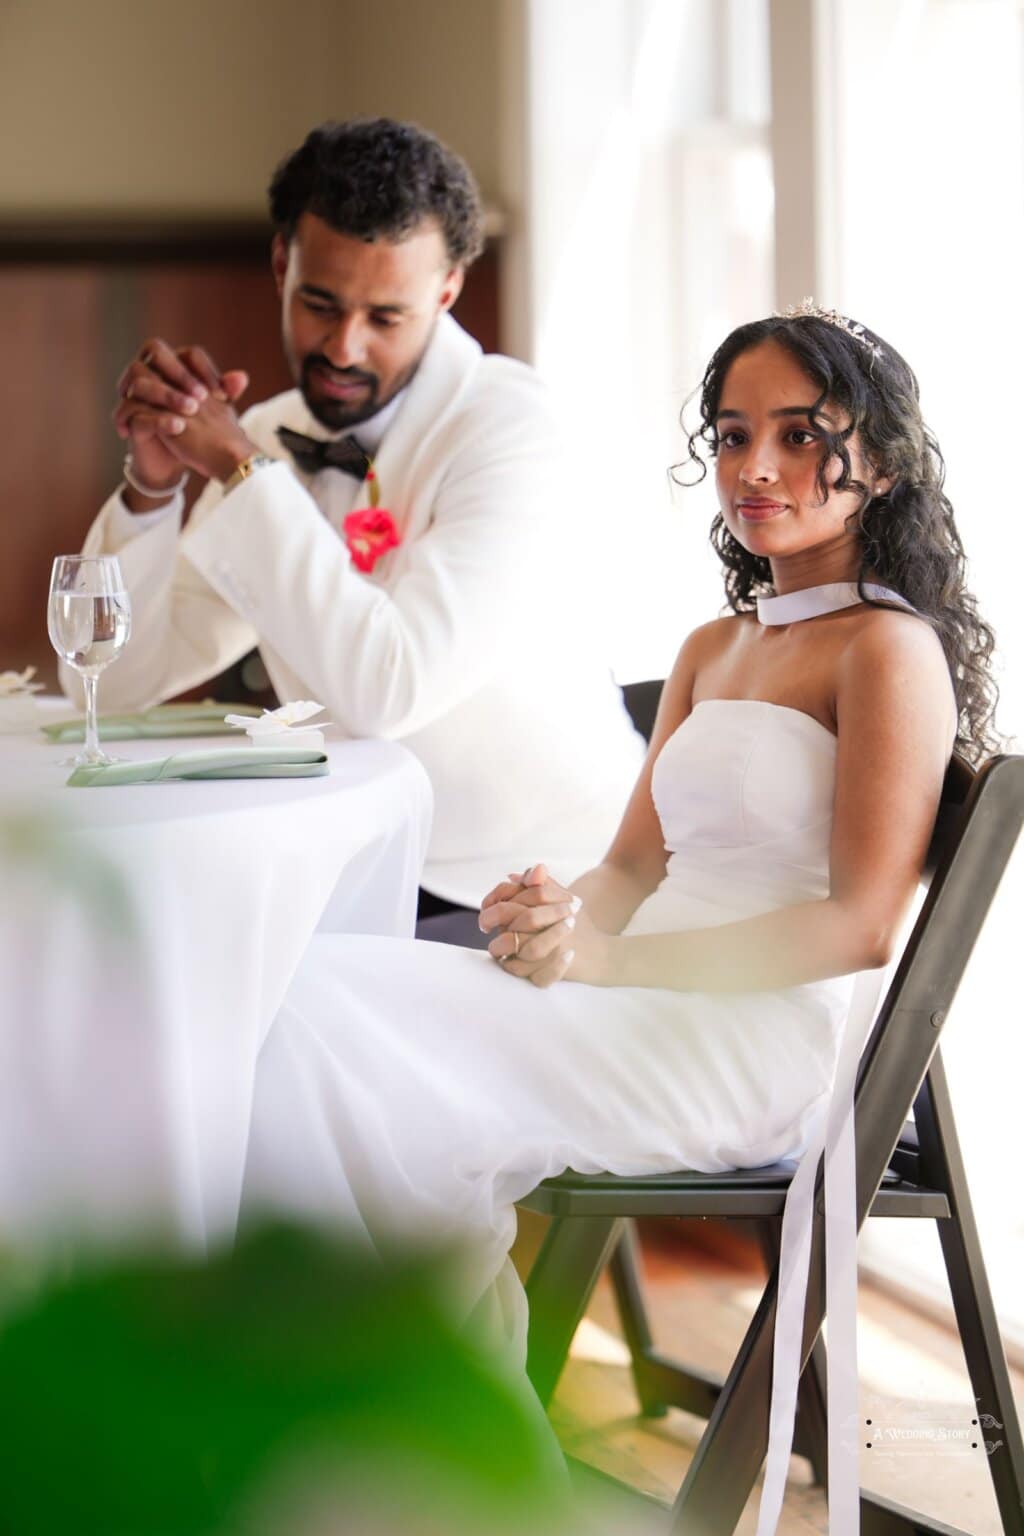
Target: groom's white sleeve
column 389, row 661
column 262, row 565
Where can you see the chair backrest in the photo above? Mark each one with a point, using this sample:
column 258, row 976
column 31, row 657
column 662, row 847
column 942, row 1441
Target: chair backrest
column 977, row 827
column 956, row 789
column 641, row 701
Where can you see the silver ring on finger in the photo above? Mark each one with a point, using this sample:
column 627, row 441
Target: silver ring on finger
column 516, row 937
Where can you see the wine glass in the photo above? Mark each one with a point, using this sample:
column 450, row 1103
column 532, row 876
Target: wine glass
column 89, row 620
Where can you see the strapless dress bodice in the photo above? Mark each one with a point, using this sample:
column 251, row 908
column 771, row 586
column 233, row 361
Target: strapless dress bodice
column 744, row 793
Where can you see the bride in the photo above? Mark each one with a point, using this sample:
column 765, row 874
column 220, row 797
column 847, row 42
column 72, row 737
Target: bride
column 681, row 1005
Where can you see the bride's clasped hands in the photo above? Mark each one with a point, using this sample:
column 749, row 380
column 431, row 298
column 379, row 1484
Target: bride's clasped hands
column 543, row 933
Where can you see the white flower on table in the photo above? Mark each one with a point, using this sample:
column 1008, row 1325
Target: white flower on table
column 15, row 685
column 284, row 726
column 18, row 708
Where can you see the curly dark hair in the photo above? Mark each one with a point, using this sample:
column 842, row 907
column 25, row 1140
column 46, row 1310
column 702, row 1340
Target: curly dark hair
column 909, row 538
column 376, row 178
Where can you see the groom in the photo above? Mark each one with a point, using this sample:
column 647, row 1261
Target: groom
column 395, row 533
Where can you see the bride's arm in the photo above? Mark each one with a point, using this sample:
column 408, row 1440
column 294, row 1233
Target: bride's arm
column 894, row 711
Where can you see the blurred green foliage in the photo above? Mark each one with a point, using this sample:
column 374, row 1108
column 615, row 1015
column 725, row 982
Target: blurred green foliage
column 181, row 1398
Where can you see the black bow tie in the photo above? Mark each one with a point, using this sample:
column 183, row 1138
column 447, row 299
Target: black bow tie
column 311, row 455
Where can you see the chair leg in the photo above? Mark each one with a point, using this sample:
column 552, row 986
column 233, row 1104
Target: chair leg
column 660, row 1382
column 564, row 1273
column 625, row 1272
column 942, row 1167
column 731, row 1450
column 810, row 1436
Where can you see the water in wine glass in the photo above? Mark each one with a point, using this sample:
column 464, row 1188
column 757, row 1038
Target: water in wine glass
column 89, row 620
column 89, row 631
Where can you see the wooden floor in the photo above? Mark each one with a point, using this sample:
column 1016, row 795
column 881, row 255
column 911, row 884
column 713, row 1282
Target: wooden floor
column 914, row 1388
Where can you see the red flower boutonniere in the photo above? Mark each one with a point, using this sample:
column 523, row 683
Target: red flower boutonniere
column 371, row 531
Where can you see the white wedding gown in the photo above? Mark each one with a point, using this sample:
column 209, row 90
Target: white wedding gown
column 415, row 1091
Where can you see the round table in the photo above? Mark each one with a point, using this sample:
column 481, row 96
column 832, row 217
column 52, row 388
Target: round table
column 147, row 935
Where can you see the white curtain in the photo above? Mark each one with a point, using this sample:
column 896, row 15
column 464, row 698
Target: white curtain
column 930, row 147
column 646, row 220
column 928, row 138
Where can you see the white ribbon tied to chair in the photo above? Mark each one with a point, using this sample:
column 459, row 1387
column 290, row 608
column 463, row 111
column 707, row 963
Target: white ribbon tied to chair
column 833, row 1134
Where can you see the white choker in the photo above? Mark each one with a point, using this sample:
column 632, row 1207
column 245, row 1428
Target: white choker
column 811, row 602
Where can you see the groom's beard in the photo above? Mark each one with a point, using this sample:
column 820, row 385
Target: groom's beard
column 338, row 414
column 367, row 397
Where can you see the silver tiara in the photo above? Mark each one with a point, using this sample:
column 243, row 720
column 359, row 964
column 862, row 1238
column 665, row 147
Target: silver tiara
column 808, row 310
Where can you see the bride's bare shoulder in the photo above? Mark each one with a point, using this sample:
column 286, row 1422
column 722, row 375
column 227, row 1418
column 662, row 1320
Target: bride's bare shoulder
column 701, row 648
column 709, row 640
column 889, row 638
column 893, row 656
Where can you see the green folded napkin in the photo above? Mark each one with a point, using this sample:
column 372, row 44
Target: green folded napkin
column 237, row 763
column 204, row 719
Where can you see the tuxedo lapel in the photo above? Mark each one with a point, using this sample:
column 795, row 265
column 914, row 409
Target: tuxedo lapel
column 404, row 458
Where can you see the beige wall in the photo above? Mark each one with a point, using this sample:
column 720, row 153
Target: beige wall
column 119, row 107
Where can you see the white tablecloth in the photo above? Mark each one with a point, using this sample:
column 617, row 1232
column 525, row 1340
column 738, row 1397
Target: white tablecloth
column 147, row 935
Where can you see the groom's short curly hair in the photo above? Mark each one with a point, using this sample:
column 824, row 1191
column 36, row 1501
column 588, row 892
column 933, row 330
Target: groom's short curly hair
column 379, row 179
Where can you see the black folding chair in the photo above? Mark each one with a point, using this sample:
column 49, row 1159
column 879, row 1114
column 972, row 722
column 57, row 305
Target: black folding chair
column 904, row 1168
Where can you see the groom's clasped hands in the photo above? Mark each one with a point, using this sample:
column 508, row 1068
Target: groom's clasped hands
column 543, row 935
column 177, row 410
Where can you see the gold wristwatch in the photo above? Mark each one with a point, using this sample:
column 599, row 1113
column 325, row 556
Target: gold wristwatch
column 247, row 467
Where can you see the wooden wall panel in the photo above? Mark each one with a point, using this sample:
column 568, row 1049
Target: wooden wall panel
column 70, row 321
column 51, row 454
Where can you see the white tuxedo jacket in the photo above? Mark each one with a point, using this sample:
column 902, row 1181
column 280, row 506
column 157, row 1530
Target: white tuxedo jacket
column 462, row 643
